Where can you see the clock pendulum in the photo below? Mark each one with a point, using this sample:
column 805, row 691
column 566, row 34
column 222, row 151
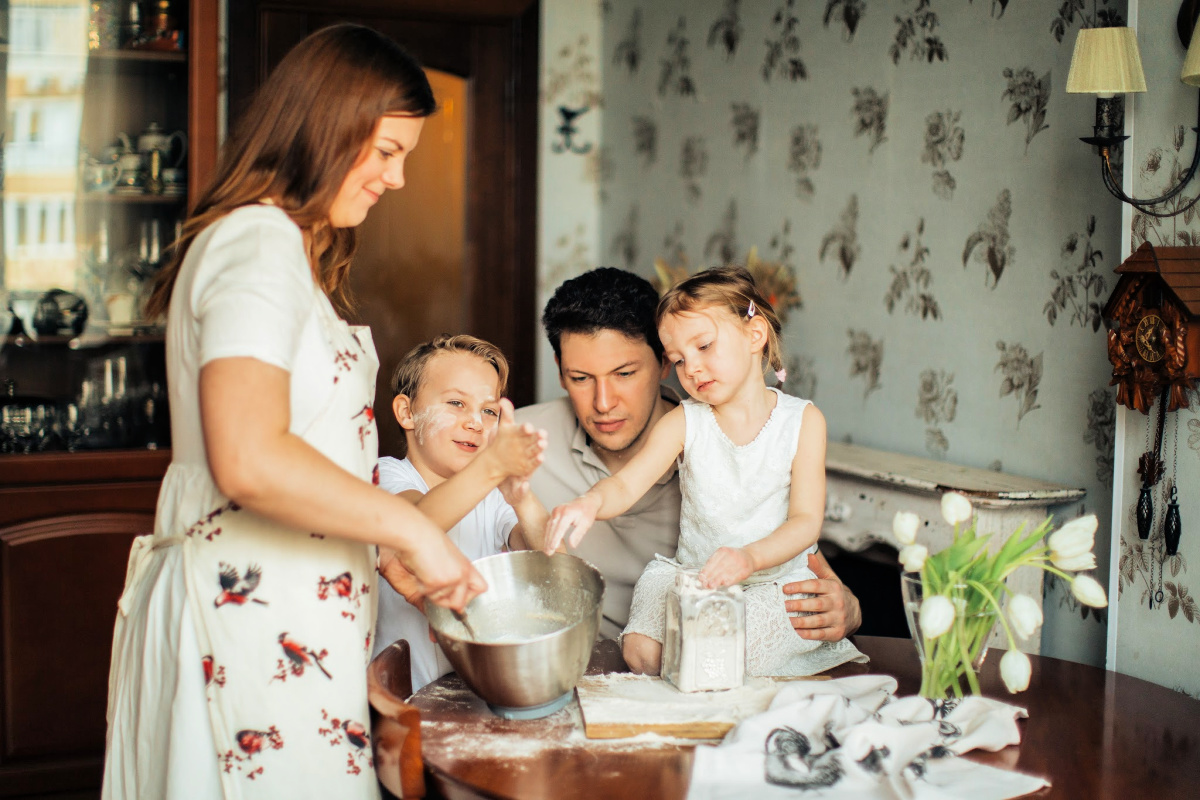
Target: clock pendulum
column 1151, row 468
column 1166, row 544
column 1171, row 525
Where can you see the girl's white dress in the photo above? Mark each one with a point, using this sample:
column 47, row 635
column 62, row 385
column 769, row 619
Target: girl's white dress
column 732, row 496
column 240, row 651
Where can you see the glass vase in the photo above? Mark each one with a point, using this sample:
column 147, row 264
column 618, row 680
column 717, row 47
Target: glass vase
column 950, row 663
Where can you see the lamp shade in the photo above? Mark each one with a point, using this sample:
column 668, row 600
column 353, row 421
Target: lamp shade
column 1191, row 62
column 1107, row 61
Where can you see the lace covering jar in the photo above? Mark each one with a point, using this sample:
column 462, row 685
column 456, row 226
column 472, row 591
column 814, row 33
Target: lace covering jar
column 704, row 647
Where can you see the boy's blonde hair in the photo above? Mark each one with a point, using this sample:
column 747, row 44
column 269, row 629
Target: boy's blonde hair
column 410, row 371
column 732, row 288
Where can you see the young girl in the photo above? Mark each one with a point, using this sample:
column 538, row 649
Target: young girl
column 752, row 473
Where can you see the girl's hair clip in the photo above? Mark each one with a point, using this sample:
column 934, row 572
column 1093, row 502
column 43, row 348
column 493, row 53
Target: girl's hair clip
column 750, row 312
column 781, row 375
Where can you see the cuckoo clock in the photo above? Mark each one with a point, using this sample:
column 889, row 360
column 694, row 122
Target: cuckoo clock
column 1153, row 318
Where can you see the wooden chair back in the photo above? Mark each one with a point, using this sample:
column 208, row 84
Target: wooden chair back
column 395, row 725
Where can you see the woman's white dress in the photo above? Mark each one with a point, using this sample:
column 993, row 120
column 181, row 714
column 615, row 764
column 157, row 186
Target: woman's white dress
column 240, row 649
column 732, row 496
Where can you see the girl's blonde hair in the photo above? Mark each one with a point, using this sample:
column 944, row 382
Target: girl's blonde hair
column 731, row 288
column 303, row 132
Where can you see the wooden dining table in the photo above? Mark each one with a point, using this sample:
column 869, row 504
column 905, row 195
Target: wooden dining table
column 1091, row 733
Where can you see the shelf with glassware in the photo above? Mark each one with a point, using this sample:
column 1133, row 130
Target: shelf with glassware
column 104, row 393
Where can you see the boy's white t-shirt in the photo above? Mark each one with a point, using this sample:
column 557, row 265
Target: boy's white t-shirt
column 482, row 532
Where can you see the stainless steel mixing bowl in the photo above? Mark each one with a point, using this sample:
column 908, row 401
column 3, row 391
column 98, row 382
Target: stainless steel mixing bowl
column 534, row 628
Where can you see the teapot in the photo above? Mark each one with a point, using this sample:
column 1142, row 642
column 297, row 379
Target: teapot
column 155, row 138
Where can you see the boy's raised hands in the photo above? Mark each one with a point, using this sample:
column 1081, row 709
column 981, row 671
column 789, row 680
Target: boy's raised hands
column 513, row 450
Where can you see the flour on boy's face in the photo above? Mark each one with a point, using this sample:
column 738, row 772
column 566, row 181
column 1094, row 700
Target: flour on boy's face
column 454, row 413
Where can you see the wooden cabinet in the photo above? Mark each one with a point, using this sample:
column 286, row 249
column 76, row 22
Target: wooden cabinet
column 66, row 523
column 67, row 518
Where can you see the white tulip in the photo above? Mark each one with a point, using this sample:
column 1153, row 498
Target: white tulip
column 956, row 508
column 1024, row 614
column 1088, row 591
column 937, row 615
column 913, row 557
column 1015, row 670
column 904, row 526
column 1073, row 539
column 1079, row 563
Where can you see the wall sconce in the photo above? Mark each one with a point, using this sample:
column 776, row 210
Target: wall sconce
column 1106, row 63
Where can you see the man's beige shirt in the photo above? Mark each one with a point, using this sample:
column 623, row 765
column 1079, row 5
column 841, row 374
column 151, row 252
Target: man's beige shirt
column 621, row 547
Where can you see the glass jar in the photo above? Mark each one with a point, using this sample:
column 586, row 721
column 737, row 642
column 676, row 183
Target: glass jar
column 704, row 645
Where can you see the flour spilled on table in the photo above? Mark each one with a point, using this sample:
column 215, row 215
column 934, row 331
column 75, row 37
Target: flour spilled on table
column 629, row 698
column 492, row 738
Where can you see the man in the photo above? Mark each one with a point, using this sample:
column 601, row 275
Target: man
column 601, row 326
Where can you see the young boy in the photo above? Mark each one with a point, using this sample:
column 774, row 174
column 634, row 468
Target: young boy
column 465, row 456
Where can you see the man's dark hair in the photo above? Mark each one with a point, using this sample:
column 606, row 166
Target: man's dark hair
column 605, row 298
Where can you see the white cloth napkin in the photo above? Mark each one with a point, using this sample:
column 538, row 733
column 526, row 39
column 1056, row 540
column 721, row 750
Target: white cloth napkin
column 852, row 738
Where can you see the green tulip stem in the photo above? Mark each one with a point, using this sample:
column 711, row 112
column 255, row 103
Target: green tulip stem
column 1012, row 643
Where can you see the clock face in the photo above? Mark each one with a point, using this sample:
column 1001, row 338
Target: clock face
column 1150, row 338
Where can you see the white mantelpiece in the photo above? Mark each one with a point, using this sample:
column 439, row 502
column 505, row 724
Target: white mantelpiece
column 865, row 488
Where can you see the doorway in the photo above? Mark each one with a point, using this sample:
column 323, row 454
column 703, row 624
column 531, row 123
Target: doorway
column 454, row 251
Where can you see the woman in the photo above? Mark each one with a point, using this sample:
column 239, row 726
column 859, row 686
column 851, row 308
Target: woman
column 244, row 629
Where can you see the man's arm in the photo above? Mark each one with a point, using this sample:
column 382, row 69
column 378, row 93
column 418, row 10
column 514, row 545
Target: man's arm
column 834, row 611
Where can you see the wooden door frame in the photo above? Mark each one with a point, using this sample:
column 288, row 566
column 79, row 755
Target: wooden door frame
column 501, row 269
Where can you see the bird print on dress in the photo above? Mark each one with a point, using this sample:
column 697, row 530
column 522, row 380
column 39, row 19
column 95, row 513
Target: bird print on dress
column 214, row 675
column 348, row 732
column 342, row 586
column 296, row 657
column 236, row 588
column 250, row 742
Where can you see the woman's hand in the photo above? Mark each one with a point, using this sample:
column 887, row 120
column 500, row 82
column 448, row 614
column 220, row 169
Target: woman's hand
column 442, row 573
column 399, row 578
column 575, row 517
column 727, row 566
column 513, row 450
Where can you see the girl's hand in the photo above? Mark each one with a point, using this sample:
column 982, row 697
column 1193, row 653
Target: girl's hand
column 514, row 450
column 576, row 516
column 727, row 566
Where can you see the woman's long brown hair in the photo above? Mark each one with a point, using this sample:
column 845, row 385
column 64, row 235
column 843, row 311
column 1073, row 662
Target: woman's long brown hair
column 304, row 130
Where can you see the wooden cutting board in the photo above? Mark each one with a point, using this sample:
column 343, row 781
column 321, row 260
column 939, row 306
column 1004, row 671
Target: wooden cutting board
column 620, row 705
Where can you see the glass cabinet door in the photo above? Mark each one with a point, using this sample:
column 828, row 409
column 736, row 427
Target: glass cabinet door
column 94, row 187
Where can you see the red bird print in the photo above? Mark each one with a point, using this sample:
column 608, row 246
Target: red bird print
column 251, row 741
column 302, row 656
column 356, row 734
column 236, row 588
column 207, row 661
column 343, row 585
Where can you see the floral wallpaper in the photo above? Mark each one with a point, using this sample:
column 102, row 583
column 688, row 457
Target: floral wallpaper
column 914, row 166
